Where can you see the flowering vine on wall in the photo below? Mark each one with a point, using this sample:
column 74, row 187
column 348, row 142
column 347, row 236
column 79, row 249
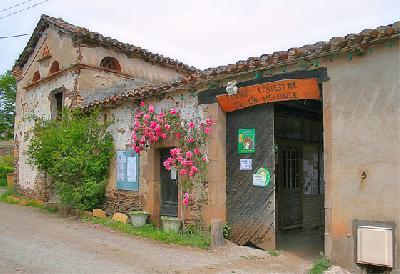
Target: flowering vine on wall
column 189, row 158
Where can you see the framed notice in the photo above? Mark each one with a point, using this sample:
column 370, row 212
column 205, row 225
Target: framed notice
column 127, row 170
column 246, row 164
column 246, row 140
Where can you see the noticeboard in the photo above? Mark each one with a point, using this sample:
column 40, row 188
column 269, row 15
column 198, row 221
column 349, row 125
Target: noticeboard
column 127, row 170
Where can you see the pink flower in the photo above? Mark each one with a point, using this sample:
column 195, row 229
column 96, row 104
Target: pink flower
column 137, row 149
column 163, row 136
column 151, row 108
column 187, row 162
column 172, row 111
column 191, row 174
column 186, row 198
column 167, row 127
column 207, row 130
column 190, row 140
column 189, row 154
column 209, row 122
column 194, row 169
column 153, row 124
column 142, row 104
column 178, row 135
column 191, row 125
column 146, row 116
column 196, row 151
column 182, row 172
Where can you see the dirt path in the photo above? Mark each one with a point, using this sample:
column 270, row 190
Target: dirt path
column 33, row 241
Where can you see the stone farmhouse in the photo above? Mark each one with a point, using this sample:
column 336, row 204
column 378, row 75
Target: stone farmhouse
column 322, row 121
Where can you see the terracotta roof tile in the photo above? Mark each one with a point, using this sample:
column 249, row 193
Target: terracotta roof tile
column 336, row 44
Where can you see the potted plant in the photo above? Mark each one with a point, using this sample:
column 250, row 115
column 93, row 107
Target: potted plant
column 138, row 218
column 171, row 224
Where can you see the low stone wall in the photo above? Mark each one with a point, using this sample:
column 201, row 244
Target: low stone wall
column 6, row 147
column 42, row 190
column 122, row 201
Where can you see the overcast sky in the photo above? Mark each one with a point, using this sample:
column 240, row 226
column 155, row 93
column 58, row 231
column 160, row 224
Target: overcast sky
column 202, row 33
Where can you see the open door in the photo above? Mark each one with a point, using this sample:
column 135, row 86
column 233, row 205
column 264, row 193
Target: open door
column 251, row 208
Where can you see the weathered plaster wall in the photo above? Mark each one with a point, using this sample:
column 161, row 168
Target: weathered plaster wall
column 61, row 49
column 34, row 102
column 91, row 81
column 361, row 133
column 148, row 195
column 134, row 66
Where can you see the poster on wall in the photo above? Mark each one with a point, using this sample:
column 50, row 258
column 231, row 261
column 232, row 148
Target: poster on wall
column 246, row 164
column 246, row 140
column 262, row 177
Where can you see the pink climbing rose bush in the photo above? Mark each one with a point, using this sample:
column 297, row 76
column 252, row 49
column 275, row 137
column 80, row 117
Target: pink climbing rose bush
column 189, row 157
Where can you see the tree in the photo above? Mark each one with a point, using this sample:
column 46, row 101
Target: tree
column 8, row 89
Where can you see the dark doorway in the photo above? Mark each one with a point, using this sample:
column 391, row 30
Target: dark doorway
column 299, row 177
column 290, row 188
column 169, row 187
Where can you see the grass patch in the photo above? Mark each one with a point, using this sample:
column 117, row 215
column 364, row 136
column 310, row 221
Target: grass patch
column 273, row 252
column 3, row 182
column 320, row 265
column 11, row 197
column 198, row 239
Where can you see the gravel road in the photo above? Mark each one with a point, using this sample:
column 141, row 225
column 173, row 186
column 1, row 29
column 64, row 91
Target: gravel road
column 34, row 241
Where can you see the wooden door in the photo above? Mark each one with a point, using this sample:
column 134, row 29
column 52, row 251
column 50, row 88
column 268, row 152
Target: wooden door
column 290, row 187
column 169, row 187
column 250, row 208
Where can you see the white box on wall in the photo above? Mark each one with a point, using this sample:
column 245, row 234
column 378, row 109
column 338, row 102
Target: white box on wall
column 375, row 245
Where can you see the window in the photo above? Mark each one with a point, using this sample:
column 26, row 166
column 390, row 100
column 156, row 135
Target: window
column 55, row 66
column 127, row 170
column 56, row 103
column 36, row 76
column 110, row 63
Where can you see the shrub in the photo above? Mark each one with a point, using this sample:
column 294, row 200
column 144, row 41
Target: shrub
column 76, row 152
column 6, row 165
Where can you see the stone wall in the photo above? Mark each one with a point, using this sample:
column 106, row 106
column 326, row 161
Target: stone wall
column 122, row 201
column 6, row 147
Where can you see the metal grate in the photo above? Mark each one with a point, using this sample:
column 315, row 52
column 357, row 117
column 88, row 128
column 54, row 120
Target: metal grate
column 291, row 169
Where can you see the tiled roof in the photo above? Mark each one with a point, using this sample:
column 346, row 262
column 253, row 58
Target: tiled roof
column 349, row 43
column 96, row 38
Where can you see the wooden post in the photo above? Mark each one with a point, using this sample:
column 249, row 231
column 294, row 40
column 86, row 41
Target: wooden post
column 217, row 236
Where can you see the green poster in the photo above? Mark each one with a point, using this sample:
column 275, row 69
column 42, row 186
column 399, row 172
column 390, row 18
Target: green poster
column 264, row 172
column 247, row 139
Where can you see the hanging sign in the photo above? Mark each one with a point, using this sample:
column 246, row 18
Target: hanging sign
column 246, row 140
column 285, row 90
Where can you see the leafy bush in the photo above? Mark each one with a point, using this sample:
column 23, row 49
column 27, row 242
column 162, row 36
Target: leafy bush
column 6, row 165
column 76, row 152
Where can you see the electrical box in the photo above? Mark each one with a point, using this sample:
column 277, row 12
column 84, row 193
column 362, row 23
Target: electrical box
column 375, row 245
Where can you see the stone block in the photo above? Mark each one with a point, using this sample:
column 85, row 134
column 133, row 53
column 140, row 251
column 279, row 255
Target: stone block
column 120, row 217
column 99, row 213
column 217, row 235
column 87, row 214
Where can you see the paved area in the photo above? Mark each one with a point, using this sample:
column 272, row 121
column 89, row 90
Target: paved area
column 33, row 241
